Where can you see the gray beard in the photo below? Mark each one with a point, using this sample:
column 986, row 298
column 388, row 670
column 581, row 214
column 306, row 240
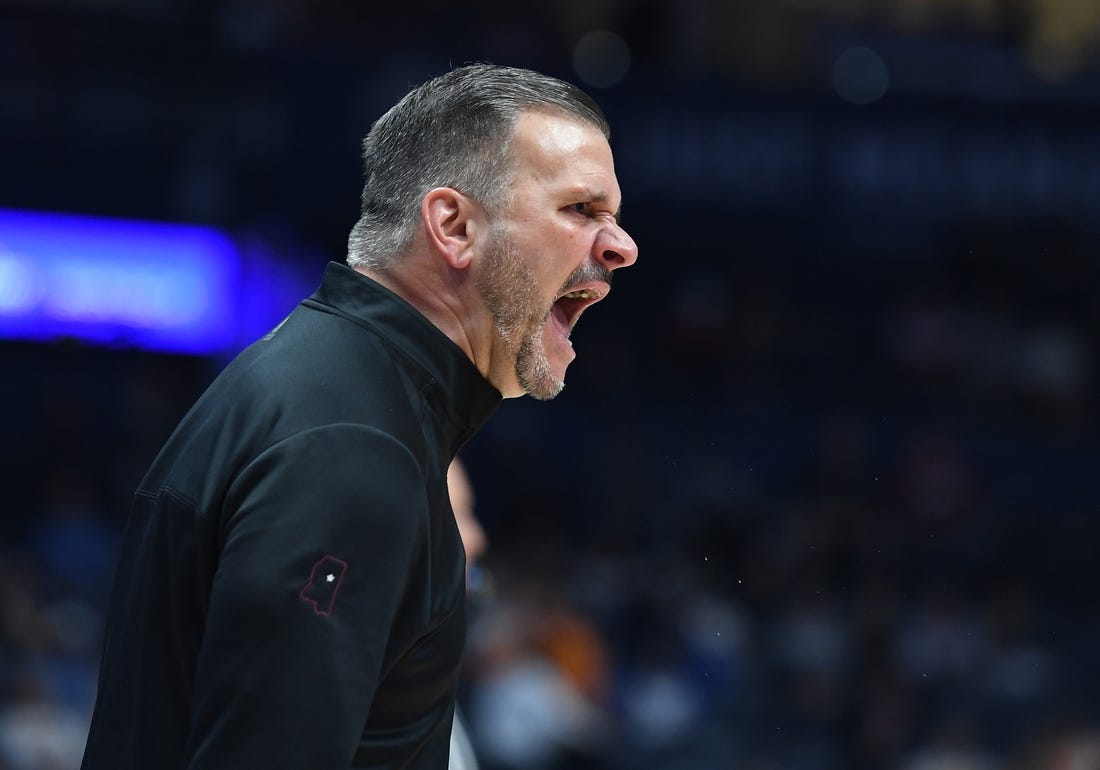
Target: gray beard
column 512, row 297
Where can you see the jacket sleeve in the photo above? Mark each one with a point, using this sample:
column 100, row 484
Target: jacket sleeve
column 323, row 535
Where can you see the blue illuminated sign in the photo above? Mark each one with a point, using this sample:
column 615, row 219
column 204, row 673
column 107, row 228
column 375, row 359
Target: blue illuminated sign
column 152, row 285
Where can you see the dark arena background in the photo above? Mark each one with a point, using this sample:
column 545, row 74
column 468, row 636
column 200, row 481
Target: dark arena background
column 822, row 490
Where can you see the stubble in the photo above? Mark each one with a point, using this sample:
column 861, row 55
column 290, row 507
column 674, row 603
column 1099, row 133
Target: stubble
column 519, row 314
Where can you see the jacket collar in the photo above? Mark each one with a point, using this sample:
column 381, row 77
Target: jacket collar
column 467, row 396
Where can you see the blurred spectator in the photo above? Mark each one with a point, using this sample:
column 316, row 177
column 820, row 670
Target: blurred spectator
column 526, row 712
column 1068, row 745
column 47, row 675
column 37, row 732
column 953, row 747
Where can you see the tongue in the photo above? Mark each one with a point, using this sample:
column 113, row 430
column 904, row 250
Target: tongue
column 561, row 320
column 555, row 340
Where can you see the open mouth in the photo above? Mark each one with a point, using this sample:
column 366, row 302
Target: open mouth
column 569, row 306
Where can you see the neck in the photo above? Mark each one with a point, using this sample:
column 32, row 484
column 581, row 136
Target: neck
column 452, row 303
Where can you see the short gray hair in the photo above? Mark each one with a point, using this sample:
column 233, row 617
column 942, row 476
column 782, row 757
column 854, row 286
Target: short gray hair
column 453, row 131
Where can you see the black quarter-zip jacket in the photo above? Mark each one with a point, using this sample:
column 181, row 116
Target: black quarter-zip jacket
column 290, row 586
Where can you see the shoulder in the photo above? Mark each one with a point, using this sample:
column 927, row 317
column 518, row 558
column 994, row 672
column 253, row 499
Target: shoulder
column 338, row 458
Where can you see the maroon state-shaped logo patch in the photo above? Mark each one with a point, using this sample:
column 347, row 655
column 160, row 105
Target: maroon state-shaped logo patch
column 324, row 582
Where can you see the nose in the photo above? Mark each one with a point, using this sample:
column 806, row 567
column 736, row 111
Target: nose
column 615, row 248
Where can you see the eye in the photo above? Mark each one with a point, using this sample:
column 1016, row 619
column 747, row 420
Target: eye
column 592, row 210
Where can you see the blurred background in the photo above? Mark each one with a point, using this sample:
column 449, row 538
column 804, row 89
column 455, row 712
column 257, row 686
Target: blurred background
column 820, row 491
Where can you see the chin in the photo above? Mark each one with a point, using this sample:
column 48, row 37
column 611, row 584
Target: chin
column 541, row 383
column 547, row 394
column 539, row 375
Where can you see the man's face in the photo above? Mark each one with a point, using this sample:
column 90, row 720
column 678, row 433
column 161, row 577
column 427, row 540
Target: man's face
column 551, row 254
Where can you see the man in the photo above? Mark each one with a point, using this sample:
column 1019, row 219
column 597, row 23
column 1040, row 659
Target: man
column 290, row 586
column 460, row 490
column 474, row 542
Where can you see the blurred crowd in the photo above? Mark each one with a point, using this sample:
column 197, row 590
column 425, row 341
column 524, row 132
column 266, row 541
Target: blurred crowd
column 793, row 533
column 819, row 494
column 845, row 536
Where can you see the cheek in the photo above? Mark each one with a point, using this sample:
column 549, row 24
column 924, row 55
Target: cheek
column 571, row 248
column 553, row 254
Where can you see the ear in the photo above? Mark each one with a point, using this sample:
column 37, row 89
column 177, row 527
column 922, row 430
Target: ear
column 453, row 223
